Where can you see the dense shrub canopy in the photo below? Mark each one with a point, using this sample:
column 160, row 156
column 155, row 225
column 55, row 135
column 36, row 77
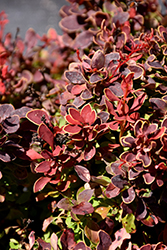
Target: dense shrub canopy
column 83, row 123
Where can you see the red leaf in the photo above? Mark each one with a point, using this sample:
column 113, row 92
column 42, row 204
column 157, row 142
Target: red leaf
column 41, row 183
column 2, row 88
column 77, row 89
column 43, row 167
column 75, row 114
column 72, row 129
column 33, row 154
column 138, row 102
column 110, row 108
column 36, row 116
column 70, row 120
column 83, row 173
column 110, row 95
column 87, row 114
column 46, row 134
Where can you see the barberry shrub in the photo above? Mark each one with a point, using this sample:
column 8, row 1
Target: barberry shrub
column 83, row 130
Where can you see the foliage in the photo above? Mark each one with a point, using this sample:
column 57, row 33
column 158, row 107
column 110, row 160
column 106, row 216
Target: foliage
column 83, row 130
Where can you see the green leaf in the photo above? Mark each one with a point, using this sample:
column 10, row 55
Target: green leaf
column 128, row 223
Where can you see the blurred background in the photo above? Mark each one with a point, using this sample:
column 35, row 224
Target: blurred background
column 37, row 14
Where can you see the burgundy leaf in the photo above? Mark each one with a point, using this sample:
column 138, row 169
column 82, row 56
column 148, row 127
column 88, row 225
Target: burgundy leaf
column 64, row 204
column 83, row 40
column 21, row 112
column 118, row 181
column 141, row 210
column 150, row 221
column 70, row 23
column 138, row 102
column 128, row 195
column 46, row 135
column 113, row 56
column 5, row 111
column 30, row 39
column 95, row 77
column 98, row 60
column 67, row 239
column 158, row 104
column 81, row 246
column 11, row 124
column 41, row 183
column 148, row 178
column 146, row 247
column 83, row 208
column 85, row 195
column 75, row 77
column 128, row 141
column 138, row 71
column 112, row 191
column 43, row 245
column 105, row 241
column 89, row 152
column 5, row 156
